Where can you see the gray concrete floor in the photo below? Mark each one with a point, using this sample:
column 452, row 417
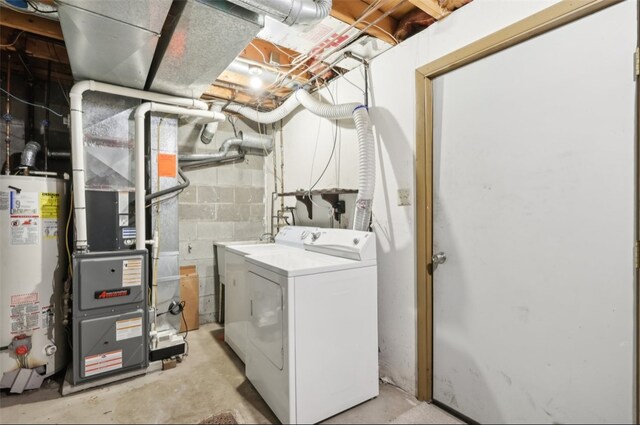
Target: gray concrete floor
column 208, row 382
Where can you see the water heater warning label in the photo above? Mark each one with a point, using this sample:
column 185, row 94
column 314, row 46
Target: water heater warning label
column 24, row 218
column 24, row 312
column 101, row 363
column 131, row 273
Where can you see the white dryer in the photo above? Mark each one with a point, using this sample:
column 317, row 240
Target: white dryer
column 313, row 329
column 235, row 269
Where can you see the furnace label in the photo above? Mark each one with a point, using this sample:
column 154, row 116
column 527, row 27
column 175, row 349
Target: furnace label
column 127, row 329
column 24, row 312
column 131, row 273
column 101, row 363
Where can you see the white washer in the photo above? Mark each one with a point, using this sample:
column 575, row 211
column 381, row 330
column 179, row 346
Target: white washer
column 235, row 269
column 313, row 329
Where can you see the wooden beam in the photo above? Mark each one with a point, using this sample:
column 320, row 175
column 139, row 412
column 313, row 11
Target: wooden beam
column 217, row 92
column 259, row 50
column 34, row 47
column 348, row 11
column 432, row 7
column 30, row 23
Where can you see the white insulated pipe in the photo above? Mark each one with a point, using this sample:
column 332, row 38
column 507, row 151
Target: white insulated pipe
column 77, row 140
column 366, row 148
column 140, row 113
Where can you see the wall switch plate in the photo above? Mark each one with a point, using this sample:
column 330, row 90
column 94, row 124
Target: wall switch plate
column 404, row 197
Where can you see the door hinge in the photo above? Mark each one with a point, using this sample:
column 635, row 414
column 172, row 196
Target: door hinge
column 637, row 254
column 637, row 61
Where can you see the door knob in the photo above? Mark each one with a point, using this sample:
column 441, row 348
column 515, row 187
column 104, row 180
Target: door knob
column 439, row 258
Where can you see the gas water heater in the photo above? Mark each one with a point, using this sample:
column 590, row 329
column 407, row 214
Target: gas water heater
column 33, row 269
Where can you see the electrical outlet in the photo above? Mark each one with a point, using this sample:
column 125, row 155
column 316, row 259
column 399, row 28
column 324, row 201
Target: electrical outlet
column 404, row 197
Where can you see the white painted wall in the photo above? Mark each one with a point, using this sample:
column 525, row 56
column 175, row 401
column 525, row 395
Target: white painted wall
column 393, row 115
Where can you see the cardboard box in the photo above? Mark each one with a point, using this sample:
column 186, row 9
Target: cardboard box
column 190, row 294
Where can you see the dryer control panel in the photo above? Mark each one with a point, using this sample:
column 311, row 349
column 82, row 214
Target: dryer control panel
column 351, row 244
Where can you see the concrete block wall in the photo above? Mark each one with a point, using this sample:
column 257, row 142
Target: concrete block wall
column 223, row 203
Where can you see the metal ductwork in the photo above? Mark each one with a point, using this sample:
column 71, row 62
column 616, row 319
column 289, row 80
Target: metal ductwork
column 201, row 38
column 111, row 40
column 174, row 47
column 290, row 12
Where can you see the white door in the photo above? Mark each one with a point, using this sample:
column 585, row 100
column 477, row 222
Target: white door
column 534, row 210
column 266, row 326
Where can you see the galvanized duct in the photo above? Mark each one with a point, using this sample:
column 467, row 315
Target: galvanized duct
column 290, row 12
column 29, row 154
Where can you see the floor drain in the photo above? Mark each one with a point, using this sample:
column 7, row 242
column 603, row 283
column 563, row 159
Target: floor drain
column 222, row 418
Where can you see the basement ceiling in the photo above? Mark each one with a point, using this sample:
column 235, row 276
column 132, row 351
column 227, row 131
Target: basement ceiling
column 285, row 57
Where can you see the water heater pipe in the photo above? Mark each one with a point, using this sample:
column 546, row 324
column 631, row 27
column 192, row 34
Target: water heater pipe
column 366, row 149
column 139, row 114
column 77, row 139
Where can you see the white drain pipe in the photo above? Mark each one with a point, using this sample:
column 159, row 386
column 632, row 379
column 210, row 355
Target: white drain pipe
column 140, row 113
column 77, row 140
column 366, row 148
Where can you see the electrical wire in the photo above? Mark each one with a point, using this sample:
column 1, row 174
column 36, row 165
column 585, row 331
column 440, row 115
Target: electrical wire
column 66, row 235
column 186, row 327
column 335, row 142
column 33, row 6
column 14, row 41
column 346, row 79
column 32, row 104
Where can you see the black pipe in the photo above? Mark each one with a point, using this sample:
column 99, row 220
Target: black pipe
column 47, row 101
column 185, row 183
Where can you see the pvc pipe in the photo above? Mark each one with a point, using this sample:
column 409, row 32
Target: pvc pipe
column 140, row 195
column 77, row 140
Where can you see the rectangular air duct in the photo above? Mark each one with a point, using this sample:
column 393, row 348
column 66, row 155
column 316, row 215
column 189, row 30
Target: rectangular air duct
column 204, row 37
column 110, row 40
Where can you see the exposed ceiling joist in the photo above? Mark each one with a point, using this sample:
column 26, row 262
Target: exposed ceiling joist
column 349, row 11
column 30, row 23
column 431, row 7
column 33, row 47
column 259, row 50
column 225, row 93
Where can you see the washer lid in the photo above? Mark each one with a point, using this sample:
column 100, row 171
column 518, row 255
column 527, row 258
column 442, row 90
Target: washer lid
column 258, row 249
column 299, row 263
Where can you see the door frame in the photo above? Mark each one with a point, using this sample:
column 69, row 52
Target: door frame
column 557, row 15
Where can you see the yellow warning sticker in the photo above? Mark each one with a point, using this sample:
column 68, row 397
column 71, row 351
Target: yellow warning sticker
column 49, row 205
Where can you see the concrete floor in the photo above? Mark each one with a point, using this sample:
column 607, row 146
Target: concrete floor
column 208, row 382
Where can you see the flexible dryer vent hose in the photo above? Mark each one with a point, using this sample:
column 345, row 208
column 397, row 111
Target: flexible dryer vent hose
column 366, row 148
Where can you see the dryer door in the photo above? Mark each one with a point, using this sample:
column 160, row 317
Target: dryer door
column 266, row 329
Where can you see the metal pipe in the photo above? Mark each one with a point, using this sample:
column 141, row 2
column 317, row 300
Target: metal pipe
column 7, row 118
column 289, row 12
column 77, row 141
column 185, row 184
column 246, row 141
column 217, row 160
column 58, row 154
column 29, row 154
column 139, row 114
column 47, row 117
